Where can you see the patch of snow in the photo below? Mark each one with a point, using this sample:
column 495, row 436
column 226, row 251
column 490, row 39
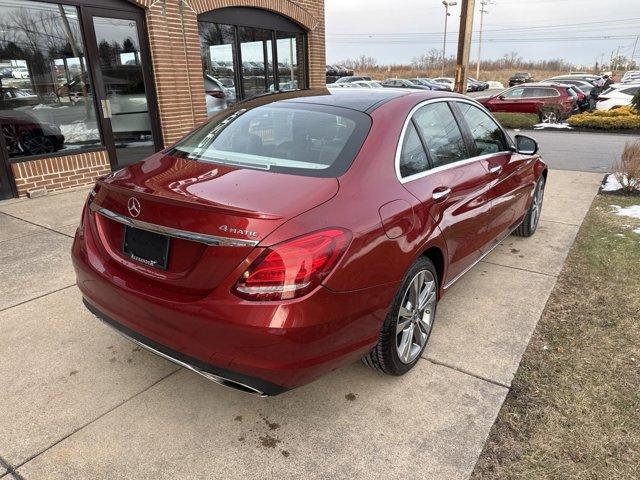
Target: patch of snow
column 495, row 85
column 637, row 230
column 613, row 184
column 43, row 106
column 558, row 126
column 633, row 211
column 79, row 132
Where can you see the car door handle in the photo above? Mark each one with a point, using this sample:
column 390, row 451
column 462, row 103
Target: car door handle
column 441, row 193
column 495, row 168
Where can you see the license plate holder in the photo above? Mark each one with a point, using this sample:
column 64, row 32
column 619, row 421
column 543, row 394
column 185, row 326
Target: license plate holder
column 148, row 248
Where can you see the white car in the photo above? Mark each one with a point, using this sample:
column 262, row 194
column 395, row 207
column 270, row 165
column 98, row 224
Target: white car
column 632, row 76
column 366, row 84
column 617, row 96
column 448, row 82
column 20, row 72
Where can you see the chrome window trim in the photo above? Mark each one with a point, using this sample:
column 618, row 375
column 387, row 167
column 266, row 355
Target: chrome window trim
column 448, row 166
column 211, row 240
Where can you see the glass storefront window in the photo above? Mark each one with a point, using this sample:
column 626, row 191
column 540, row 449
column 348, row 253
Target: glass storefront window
column 257, row 66
column 46, row 104
column 240, row 62
column 289, row 72
column 217, row 43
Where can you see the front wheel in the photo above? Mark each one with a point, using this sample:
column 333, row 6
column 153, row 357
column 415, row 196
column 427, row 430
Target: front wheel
column 530, row 223
column 408, row 324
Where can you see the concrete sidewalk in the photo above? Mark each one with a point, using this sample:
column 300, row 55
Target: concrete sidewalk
column 78, row 401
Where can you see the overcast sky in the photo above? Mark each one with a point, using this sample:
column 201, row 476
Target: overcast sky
column 394, row 31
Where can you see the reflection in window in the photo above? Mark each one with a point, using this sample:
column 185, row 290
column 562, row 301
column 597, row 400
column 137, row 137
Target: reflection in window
column 441, row 134
column 485, row 132
column 257, row 65
column 413, row 158
column 241, row 62
column 289, row 71
column 46, row 103
column 217, row 44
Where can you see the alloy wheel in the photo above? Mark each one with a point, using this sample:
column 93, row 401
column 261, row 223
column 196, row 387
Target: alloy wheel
column 536, row 206
column 415, row 317
column 549, row 117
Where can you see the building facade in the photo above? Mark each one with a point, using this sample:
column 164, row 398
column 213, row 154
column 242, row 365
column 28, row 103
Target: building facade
column 90, row 86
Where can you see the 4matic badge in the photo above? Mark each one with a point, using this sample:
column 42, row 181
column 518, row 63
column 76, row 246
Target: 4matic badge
column 238, row 231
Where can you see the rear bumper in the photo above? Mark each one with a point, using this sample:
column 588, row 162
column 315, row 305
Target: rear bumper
column 224, row 377
column 269, row 347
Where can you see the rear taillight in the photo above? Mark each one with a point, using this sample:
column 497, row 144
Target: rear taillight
column 293, row 268
column 216, row 93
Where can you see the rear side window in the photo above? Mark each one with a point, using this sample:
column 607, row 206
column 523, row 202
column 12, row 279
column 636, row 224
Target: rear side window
column 540, row 92
column 413, row 158
column 486, row 133
column 301, row 139
column 442, row 135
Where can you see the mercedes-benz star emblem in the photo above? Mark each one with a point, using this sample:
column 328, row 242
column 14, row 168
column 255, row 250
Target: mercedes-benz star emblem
column 134, row 207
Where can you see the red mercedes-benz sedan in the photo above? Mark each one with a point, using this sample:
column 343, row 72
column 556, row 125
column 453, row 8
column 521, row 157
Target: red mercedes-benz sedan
column 300, row 232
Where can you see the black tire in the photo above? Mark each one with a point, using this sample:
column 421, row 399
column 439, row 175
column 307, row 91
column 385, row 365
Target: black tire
column 384, row 357
column 530, row 223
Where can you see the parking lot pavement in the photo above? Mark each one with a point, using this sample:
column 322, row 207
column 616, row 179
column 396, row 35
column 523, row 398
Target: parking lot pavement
column 78, row 401
column 580, row 151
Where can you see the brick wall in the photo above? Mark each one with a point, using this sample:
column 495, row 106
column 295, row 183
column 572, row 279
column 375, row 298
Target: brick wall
column 60, row 172
column 175, row 52
column 177, row 66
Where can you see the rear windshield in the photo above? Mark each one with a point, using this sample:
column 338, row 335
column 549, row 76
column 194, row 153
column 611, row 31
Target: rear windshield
column 295, row 138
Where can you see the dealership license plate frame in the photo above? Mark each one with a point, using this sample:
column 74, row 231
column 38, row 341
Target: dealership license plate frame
column 145, row 247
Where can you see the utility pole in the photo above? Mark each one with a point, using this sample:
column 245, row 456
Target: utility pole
column 446, row 4
column 464, row 44
column 633, row 55
column 483, row 10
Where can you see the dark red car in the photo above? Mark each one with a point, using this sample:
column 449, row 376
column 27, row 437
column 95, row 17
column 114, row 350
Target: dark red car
column 300, row 232
column 549, row 101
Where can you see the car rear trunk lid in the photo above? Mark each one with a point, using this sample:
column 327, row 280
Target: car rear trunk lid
column 214, row 215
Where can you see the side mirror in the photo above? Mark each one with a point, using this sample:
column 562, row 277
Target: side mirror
column 526, row 145
column 501, row 97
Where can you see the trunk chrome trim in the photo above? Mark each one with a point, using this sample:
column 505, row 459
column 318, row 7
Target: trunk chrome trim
column 211, row 240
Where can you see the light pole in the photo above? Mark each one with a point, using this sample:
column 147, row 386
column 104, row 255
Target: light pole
column 483, row 10
column 446, row 18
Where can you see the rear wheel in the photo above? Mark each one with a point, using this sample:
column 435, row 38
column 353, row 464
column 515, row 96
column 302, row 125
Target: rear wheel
column 408, row 325
column 530, row 223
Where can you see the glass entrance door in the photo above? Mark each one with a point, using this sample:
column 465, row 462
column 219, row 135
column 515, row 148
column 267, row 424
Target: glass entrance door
column 123, row 85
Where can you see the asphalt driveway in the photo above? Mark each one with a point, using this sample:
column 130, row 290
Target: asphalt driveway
column 79, row 401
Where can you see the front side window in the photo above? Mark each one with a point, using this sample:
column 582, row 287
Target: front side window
column 486, row 133
column 442, row 135
column 46, row 103
column 309, row 140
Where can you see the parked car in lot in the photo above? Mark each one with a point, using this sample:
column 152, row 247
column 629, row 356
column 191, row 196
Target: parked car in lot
column 582, row 100
column 481, row 85
column 520, row 78
column 617, row 97
column 551, row 102
column 20, row 72
column 25, row 135
column 403, row 83
column 448, row 82
column 385, row 199
column 11, row 97
column 366, row 84
column 585, row 86
column 631, row 76
column 428, row 83
column 352, row 79
column 218, row 97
